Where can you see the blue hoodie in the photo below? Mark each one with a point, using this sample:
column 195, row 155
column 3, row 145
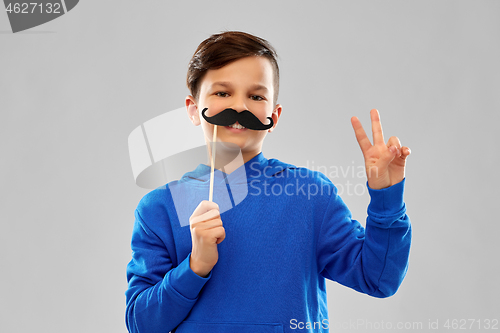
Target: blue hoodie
column 286, row 231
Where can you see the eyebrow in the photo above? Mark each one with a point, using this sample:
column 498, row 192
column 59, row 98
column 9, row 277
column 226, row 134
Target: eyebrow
column 229, row 85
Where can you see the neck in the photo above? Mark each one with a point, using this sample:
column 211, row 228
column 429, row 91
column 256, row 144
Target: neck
column 228, row 159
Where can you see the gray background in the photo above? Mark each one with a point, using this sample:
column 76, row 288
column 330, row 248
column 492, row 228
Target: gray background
column 73, row 89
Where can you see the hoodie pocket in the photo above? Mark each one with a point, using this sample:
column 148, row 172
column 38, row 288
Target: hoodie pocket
column 194, row 327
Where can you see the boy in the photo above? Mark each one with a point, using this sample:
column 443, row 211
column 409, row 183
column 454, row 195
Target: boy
column 261, row 266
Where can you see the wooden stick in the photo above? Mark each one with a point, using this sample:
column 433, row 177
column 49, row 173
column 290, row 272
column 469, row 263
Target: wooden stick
column 210, row 194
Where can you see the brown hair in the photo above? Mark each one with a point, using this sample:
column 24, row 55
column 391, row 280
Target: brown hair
column 221, row 49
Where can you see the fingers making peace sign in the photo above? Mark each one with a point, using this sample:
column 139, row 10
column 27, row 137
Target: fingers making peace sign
column 384, row 163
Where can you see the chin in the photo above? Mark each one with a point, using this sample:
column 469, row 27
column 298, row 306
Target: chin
column 230, row 145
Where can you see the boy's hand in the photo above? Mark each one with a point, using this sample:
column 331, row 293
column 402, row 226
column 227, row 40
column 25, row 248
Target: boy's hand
column 206, row 232
column 385, row 164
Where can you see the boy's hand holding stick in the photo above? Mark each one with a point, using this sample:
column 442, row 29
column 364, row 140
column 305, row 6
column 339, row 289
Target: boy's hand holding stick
column 206, row 228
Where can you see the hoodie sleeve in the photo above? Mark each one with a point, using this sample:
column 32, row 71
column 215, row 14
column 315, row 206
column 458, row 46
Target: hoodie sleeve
column 374, row 260
column 159, row 296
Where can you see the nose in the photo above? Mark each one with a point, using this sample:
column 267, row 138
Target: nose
column 238, row 103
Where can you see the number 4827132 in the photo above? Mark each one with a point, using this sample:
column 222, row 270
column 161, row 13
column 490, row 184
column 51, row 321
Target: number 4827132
column 33, row 7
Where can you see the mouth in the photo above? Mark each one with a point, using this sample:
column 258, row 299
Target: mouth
column 236, row 128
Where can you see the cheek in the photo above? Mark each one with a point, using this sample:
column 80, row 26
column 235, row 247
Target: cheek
column 215, row 106
column 206, row 127
column 261, row 112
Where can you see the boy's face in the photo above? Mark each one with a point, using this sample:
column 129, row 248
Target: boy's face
column 245, row 84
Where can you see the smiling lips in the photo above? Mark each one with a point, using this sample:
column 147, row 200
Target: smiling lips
column 237, row 126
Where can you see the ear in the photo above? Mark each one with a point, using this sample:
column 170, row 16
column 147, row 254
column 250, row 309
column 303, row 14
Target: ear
column 276, row 116
column 192, row 110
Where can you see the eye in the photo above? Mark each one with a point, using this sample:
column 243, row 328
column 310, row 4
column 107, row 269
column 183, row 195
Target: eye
column 221, row 94
column 257, row 98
